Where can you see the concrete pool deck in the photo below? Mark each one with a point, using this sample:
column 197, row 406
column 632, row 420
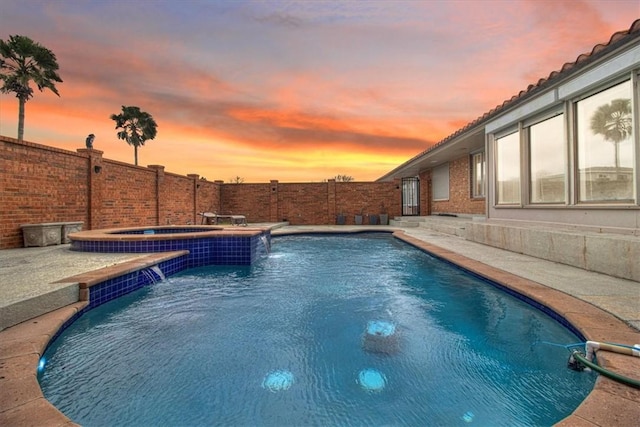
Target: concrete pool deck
column 603, row 308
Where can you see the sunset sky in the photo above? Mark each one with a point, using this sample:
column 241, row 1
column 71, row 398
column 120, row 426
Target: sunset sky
column 296, row 91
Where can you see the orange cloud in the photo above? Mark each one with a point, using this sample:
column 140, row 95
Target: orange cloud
column 293, row 91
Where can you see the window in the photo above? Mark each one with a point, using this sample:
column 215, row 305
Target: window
column 441, row 182
column 548, row 158
column 478, row 175
column 508, row 168
column 604, row 129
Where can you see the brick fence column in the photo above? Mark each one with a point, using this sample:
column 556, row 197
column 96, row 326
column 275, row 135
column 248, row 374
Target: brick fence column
column 196, row 186
column 95, row 185
column 273, row 201
column 396, row 209
column 161, row 211
column 331, row 202
column 220, row 184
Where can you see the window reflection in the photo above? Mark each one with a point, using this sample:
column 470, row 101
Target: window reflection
column 605, row 145
column 508, row 169
column 548, row 161
column 478, row 174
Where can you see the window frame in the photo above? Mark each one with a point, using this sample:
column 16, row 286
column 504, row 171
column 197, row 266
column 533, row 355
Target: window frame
column 632, row 79
column 483, row 175
column 528, row 171
column 496, row 138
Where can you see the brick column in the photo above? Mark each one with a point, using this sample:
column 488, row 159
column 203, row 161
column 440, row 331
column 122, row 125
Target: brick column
column 95, row 185
column 396, row 209
column 196, row 186
column 331, row 202
column 425, row 193
column 161, row 218
column 273, row 201
column 220, row 183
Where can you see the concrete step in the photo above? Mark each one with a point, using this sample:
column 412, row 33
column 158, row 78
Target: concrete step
column 613, row 254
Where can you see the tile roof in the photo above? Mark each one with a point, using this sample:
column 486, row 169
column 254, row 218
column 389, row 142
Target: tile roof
column 617, row 39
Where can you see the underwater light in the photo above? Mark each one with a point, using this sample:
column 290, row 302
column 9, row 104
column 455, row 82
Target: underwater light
column 41, row 364
column 380, row 328
column 468, row 417
column 278, row 380
column 372, row 379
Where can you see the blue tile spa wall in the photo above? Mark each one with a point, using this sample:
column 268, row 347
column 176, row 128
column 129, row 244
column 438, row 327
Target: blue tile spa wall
column 118, row 286
column 121, row 285
column 220, row 250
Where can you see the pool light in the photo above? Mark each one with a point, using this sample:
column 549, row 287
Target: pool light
column 278, row 380
column 468, row 417
column 372, row 379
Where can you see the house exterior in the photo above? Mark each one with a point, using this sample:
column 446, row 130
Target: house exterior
column 565, row 151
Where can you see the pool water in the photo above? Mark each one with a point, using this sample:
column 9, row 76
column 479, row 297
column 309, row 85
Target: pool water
column 326, row 330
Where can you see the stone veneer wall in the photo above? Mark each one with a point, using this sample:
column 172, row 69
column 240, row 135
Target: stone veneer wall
column 41, row 184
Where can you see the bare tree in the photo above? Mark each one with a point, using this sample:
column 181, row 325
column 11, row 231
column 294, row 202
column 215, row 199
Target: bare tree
column 343, row 178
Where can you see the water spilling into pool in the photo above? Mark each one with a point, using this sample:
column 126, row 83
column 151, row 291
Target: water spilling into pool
column 284, row 342
column 154, row 274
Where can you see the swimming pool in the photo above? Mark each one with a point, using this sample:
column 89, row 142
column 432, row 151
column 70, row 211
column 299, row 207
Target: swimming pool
column 285, row 342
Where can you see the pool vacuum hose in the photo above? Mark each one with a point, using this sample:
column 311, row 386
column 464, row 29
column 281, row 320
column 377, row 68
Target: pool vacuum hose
column 592, row 346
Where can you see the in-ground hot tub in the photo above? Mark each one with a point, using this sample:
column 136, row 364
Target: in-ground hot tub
column 207, row 245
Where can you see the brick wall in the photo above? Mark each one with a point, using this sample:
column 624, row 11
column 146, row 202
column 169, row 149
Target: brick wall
column 127, row 197
column 309, row 203
column 460, row 199
column 368, row 198
column 251, row 200
column 45, row 184
column 39, row 184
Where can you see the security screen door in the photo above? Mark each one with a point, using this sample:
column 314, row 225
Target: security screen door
column 410, row 196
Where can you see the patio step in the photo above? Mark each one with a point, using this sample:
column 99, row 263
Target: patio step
column 454, row 225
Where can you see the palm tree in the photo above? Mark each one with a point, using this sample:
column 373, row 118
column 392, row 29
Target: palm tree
column 21, row 61
column 137, row 127
column 613, row 121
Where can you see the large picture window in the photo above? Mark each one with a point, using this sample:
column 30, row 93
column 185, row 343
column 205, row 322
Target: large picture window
column 478, row 175
column 548, row 159
column 508, row 168
column 604, row 130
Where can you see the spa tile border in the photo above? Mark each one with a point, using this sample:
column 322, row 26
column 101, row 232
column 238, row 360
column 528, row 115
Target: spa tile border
column 207, row 245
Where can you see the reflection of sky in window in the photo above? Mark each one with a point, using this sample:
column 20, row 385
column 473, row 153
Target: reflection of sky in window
column 547, row 147
column 508, row 153
column 594, row 150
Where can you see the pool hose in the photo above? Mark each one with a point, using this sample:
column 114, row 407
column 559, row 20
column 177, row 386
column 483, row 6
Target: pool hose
column 591, row 347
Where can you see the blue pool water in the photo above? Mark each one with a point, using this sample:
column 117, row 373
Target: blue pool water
column 326, row 330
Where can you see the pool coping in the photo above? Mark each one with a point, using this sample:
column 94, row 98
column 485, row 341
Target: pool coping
column 609, row 403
